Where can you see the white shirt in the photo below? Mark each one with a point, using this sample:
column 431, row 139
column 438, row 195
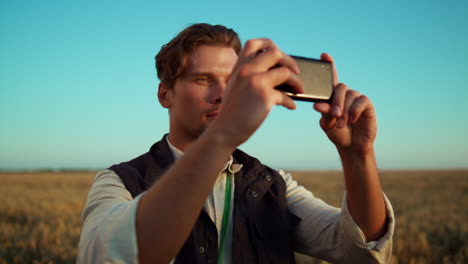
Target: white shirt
column 214, row 204
column 109, row 234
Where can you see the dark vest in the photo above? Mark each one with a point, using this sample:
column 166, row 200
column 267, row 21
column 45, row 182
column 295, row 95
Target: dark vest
column 262, row 225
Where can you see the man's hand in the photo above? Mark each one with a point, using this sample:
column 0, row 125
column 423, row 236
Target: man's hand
column 250, row 93
column 350, row 120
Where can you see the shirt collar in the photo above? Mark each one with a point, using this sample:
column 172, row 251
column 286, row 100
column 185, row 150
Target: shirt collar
column 233, row 168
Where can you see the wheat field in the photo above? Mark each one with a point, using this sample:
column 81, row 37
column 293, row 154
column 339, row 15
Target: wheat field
column 40, row 214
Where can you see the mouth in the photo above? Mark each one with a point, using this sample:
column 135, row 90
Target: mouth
column 212, row 115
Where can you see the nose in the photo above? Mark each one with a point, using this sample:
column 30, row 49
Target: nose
column 217, row 91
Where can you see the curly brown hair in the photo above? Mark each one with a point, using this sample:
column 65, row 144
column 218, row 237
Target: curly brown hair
column 172, row 58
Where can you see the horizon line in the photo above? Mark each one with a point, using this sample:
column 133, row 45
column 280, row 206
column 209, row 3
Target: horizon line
column 60, row 170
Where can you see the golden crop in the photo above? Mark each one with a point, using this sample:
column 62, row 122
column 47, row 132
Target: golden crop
column 40, row 214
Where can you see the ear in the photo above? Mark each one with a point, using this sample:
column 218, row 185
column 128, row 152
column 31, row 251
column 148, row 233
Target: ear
column 164, row 95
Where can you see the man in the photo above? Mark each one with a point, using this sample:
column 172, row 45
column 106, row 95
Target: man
column 194, row 198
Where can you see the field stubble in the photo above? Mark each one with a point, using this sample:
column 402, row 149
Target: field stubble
column 40, row 214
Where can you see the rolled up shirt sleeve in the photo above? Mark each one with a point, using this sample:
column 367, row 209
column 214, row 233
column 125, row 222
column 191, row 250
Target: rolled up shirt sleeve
column 108, row 234
column 331, row 233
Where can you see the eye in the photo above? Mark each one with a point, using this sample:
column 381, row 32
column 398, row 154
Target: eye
column 202, row 80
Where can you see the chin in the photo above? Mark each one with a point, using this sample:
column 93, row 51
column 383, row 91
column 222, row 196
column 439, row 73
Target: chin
column 200, row 131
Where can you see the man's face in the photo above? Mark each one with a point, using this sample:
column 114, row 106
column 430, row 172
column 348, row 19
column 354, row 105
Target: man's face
column 197, row 94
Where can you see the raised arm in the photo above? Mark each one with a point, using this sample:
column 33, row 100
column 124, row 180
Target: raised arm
column 350, row 123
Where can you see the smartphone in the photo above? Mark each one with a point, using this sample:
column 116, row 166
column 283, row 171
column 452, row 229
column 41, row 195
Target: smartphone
column 317, row 78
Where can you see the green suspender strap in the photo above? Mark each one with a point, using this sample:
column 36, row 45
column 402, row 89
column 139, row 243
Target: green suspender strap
column 227, row 210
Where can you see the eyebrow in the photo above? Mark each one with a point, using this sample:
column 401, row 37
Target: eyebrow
column 199, row 74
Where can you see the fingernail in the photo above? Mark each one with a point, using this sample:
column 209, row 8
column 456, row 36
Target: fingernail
column 336, row 111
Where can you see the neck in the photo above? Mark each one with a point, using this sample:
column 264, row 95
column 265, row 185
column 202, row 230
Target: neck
column 180, row 142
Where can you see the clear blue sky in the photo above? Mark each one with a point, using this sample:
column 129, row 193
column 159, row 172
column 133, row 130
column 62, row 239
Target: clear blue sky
column 77, row 79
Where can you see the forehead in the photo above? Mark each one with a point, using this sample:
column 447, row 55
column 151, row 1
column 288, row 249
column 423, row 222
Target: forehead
column 213, row 59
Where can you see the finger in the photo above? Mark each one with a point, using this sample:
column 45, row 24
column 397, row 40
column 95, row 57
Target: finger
column 275, row 57
column 285, row 100
column 337, row 104
column 351, row 96
column 323, row 108
column 327, row 57
column 359, row 106
column 269, row 56
column 253, row 46
column 327, row 122
column 282, row 75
